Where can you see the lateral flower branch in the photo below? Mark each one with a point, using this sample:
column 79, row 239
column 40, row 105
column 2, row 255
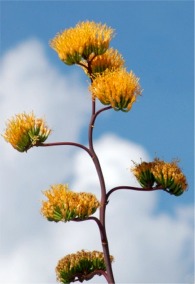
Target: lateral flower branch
column 88, row 46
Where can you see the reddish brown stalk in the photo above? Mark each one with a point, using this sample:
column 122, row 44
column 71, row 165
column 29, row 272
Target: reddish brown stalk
column 65, row 144
column 94, row 114
column 93, row 219
column 103, row 194
column 132, row 188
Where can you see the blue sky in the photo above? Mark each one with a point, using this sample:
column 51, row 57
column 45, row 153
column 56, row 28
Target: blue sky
column 156, row 41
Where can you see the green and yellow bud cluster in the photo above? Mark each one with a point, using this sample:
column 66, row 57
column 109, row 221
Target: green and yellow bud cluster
column 79, row 266
column 117, row 88
column 143, row 174
column 169, row 176
column 65, row 205
column 165, row 175
column 85, row 39
column 25, row 131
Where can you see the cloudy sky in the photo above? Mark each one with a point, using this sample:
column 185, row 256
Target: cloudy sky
column 151, row 234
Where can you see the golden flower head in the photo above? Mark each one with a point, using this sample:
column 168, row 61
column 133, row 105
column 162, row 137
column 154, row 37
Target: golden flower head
column 64, row 204
column 111, row 60
column 80, row 266
column 143, row 174
column 117, row 88
column 84, row 39
column 25, row 131
column 167, row 176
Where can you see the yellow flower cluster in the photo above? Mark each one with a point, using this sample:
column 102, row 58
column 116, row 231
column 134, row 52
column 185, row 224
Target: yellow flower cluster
column 79, row 266
column 166, row 175
column 64, row 205
column 25, row 131
column 84, row 39
column 111, row 59
column 117, row 88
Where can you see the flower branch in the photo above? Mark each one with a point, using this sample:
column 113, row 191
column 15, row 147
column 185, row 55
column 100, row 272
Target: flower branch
column 65, row 144
column 93, row 219
column 124, row 187
column 103, row 194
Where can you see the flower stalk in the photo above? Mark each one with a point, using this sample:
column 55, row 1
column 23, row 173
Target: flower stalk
column 103, row 202
column 87, row 45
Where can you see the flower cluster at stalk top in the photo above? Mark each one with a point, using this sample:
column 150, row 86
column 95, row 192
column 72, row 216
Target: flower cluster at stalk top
column 65, row 205
column 87, row 44
column 85, row 39
column 117, row 88
column 25, row 131
column 80, row 266
column 163, row 175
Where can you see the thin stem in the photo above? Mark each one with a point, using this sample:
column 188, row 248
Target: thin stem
column 93, row 219
column 99, row 111
column 82, row 65
column 65, row 144
column 105, row 275
column 102, row 219
column 131, row 188
column 92, row 122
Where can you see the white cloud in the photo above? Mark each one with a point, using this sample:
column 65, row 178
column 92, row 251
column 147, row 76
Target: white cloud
column 149, row 246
